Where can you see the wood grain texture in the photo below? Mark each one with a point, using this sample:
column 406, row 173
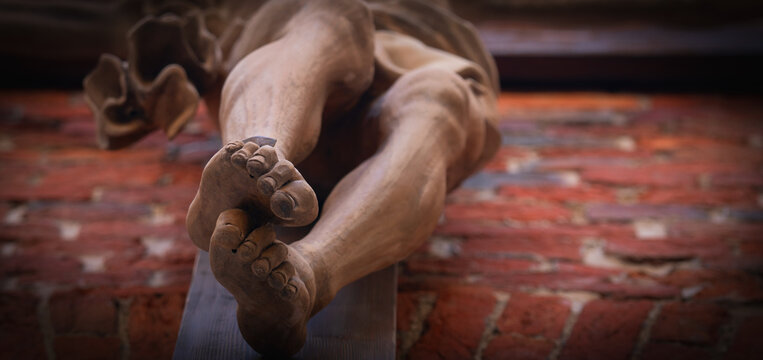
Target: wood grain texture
column 358, row 324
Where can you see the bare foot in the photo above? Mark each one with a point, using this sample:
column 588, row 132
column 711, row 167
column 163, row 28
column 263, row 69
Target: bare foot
column 272, row 282
column 252, row 177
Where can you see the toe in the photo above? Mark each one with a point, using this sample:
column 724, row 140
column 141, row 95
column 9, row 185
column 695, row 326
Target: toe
column 233, row 146
column 282, row 172
column 260, row 239
column 247, row 252
column 280, row 276
column 242, row 155
column 262, row 161
column 290, row 290
column 270, row 258
column 295, row 203
column 230, row 228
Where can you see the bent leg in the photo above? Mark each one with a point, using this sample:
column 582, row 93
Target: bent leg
column 432, row 125
column 307, row 59
column 375, row 216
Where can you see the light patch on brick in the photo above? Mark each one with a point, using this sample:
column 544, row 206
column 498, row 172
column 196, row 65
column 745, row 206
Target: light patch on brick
column 69, row 230
column 444, row 247
column 93, row 263
column 484, row 195
column 569, row 178
column 689, row 292
column 157, row 279
column 755, row 141
column 97, row 194
column 6, row 143
column 719, row 216
column 627, row 196
column 705, row 181
column 16, row 215
column 625, row 143
column 159, row 216
column 10, row 284
column 8, row 249
column 760, row 200
column 650, row 229
column 157, row 246
column 518, row 165
column 594, row 255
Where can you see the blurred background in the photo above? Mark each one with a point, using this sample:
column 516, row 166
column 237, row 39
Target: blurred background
column 621, row 219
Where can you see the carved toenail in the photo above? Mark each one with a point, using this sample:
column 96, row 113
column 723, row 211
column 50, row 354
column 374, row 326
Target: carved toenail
column 260, row 268
column 277, row 280
column 256, row 163
column 239, row 159
column 284, row 204
column 247, row 249
column 289, row 291
column 233, row 146
column 267, row 185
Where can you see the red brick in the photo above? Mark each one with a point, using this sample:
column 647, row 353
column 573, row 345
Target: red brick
column 455, row 325
column 181, row 195
column 534, row 316
column 87, row 347
column 34, row 268
column 673, row 142
column 82, row 155
column 717, row 284
column 515, row 347
column 153, row 324
column 21, row 336
column 636, row 176
column 501, row 159
column 607, row 282
column 46, row 104
column 581, row 194
column 606, row 330
column 740, row 154
column 493, row 229
column 87, row 211
column 741, row 178
column 552, row 247
column 30, row 232
column 715, row 197
column 617, row 212
column 507, row 210
column 674, row 351
column 82, row 311
column 569, row 101
column 666, row 175
column 666, row 249
column 407, row 302
column 124, row 228
column 746, row 343
column 689, row 323
column 467, row 266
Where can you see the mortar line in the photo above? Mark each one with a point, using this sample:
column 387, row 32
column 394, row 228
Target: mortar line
column 646, row 330
column 491, row 323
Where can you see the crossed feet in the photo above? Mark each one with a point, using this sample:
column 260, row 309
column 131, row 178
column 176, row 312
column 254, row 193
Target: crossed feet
column 247, row 187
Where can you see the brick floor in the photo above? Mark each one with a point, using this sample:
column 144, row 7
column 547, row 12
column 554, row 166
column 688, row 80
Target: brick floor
column 608, row 226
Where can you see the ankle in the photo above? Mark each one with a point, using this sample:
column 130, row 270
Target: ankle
column 324, row 292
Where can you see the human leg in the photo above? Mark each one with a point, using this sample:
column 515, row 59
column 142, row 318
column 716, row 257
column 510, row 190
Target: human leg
column 308, row 59
column 375, row 216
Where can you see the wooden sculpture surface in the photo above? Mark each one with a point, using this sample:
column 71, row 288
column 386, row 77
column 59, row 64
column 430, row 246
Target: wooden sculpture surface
column 365, row 112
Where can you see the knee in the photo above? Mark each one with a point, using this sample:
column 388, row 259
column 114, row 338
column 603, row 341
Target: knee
column 431, row 86
column 343, row 31
column 440, row 94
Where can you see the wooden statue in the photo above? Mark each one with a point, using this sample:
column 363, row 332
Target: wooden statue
column 373, row 109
